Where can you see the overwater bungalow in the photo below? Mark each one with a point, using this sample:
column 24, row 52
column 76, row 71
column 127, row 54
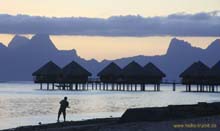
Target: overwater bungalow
column 48, row 73
column 153, row 74
column 195, row 75
column 214, row 75
column 75, row 73
column 110, row 74
column 133, row 73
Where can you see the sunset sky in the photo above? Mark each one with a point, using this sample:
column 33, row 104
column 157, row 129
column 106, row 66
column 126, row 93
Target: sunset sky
column 106, row 8
column 111, row 47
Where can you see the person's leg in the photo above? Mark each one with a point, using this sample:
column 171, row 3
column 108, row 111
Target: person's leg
column 59, row 113
column 64, row 115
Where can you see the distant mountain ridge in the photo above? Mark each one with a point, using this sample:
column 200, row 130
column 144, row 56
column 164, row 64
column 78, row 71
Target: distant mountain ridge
column 23, row 56
column 18, row 41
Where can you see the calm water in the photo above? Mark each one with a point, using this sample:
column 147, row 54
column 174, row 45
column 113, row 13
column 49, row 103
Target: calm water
column 24, row 104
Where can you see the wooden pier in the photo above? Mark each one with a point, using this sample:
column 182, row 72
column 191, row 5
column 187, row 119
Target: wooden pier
column 98, row 85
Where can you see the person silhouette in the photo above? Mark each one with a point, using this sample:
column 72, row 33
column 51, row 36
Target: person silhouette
column 63, row 105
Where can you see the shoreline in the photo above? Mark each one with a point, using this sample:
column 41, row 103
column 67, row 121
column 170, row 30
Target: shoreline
column 67, row 124
column 197, row 116
column 112, row 124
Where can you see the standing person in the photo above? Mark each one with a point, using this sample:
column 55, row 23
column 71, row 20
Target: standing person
column 63, row 105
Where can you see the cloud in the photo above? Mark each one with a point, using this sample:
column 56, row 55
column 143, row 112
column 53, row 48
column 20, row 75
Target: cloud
column 179, row 24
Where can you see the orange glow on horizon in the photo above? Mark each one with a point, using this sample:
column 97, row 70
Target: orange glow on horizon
column 106, row 8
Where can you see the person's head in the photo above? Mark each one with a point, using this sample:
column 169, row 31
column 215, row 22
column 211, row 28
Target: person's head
column 65, row 98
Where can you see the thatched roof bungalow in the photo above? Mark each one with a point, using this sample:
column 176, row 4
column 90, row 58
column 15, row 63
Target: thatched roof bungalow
column 48, row 73
column 195, row 74
column 213, row 76
column 75, row 73
column 133, row 73
column 110, row 73
column 153, row 74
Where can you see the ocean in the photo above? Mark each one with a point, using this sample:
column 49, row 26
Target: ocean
column 23, row 103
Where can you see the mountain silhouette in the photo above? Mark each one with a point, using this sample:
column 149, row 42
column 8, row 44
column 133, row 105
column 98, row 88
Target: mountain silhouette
column 181, row 47
column 23, row 56
column 18, row 42
column 214, row 46
column 3, row 50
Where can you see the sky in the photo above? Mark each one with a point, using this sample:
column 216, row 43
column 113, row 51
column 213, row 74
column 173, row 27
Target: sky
column 106, row 8
column 100, row 47
column 139, row 27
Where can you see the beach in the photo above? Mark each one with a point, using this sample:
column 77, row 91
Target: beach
column 111, row 124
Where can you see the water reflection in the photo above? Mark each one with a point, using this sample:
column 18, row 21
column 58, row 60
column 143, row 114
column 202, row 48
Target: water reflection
column 25, row 100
